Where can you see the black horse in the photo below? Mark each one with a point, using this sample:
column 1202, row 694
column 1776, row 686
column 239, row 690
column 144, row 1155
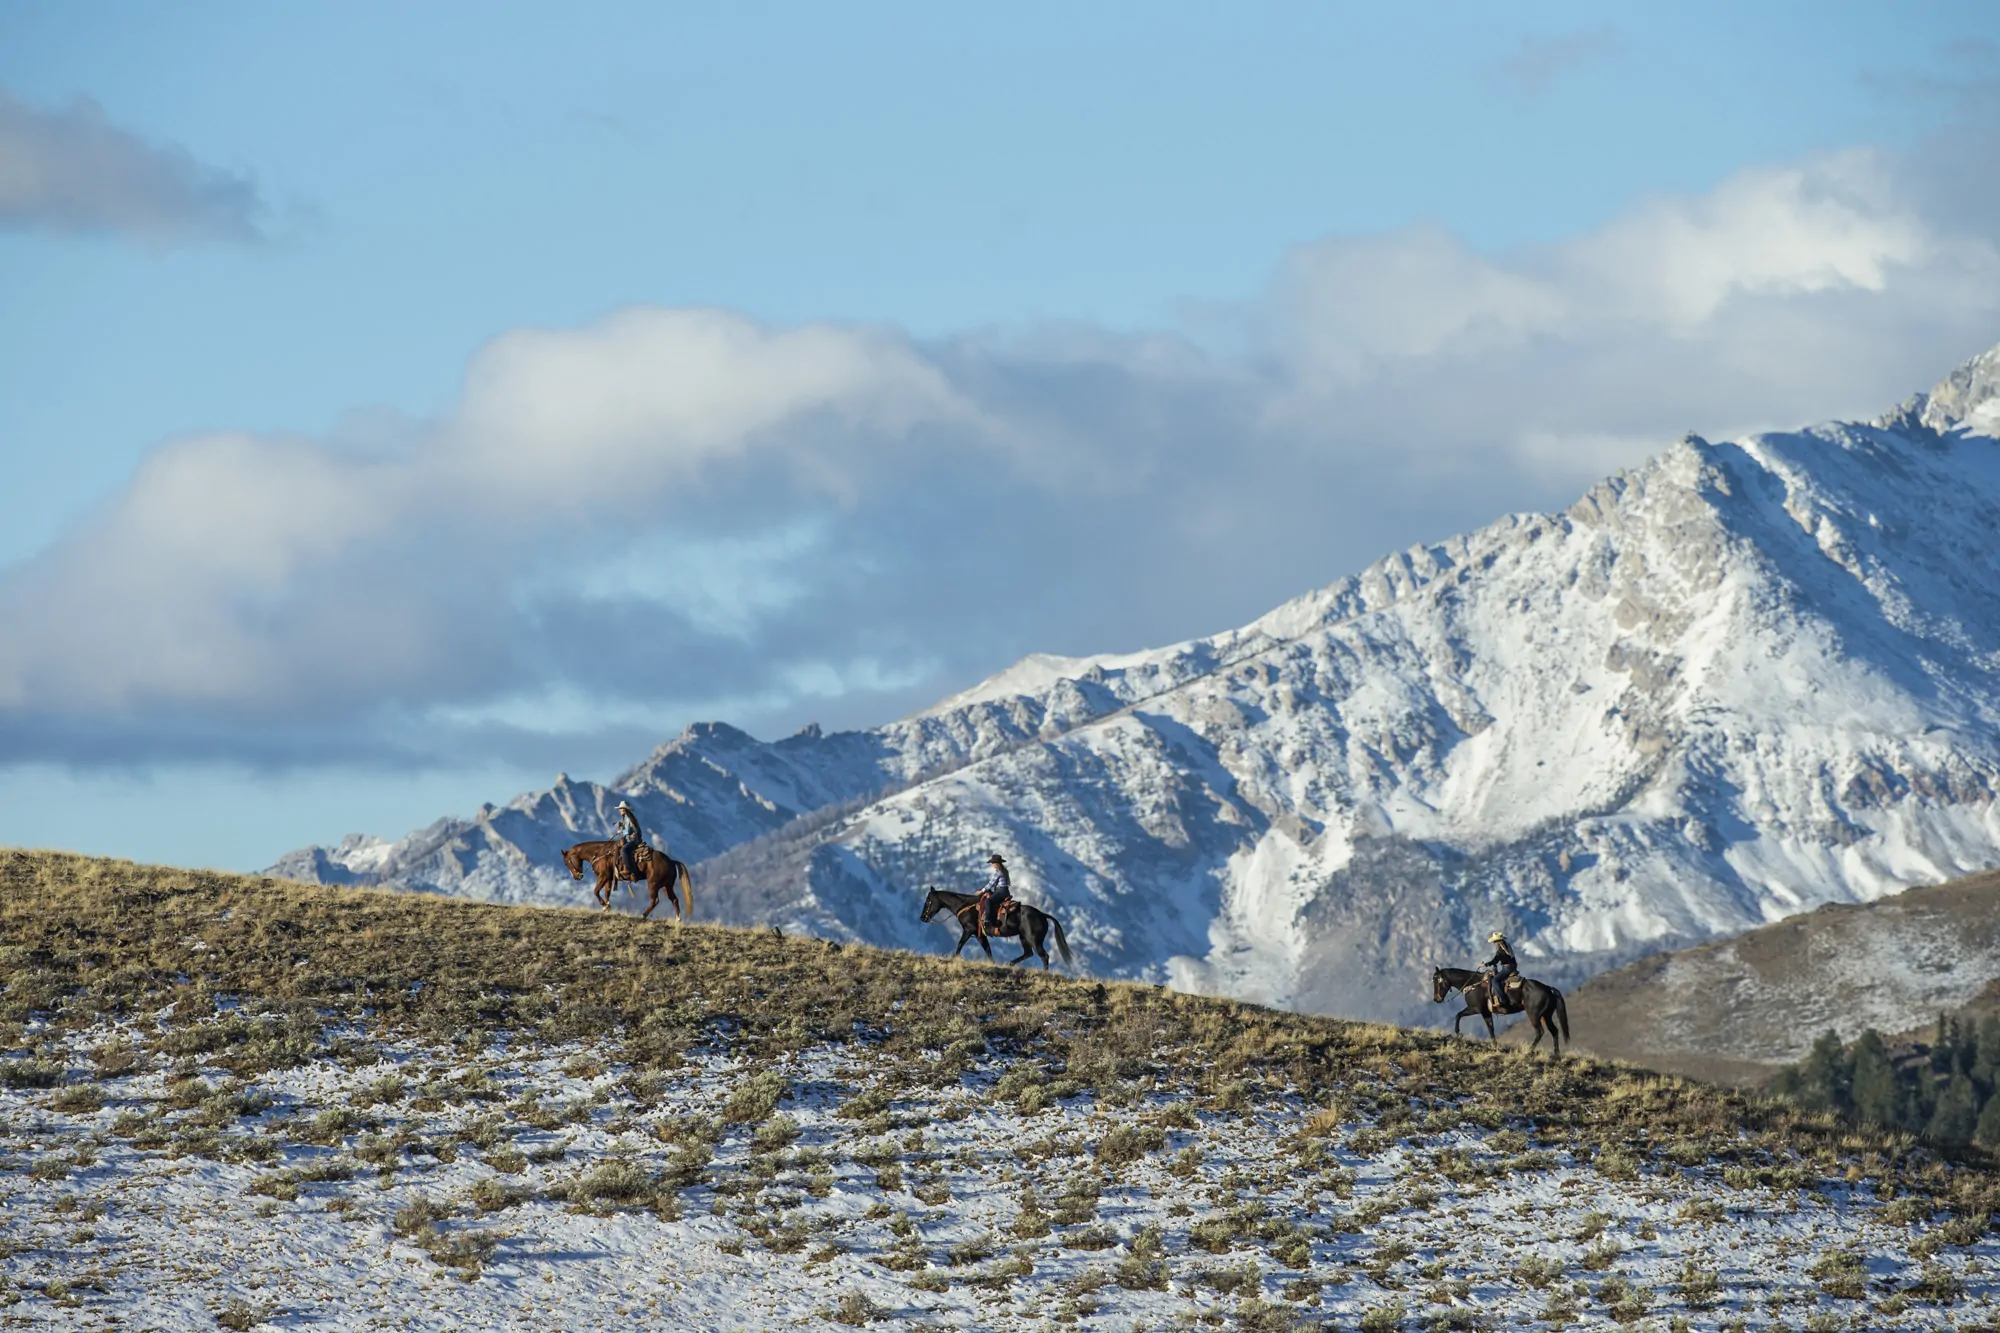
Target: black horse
column 1542, row 1004
column 1026, row 920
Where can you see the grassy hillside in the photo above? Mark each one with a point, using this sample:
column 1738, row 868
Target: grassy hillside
column 87, row 939
column 256, row 1049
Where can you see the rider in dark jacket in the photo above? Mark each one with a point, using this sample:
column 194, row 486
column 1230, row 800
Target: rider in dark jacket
column 630, row 839
column 993, row 899
column 1500, row 967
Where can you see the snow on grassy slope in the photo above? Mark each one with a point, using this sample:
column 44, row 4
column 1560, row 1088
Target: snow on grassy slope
column 415, row 1187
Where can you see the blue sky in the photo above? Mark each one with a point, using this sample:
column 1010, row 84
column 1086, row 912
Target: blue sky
column 936, row 337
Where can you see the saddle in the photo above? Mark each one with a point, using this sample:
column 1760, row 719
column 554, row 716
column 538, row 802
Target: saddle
column 1008, row 915
column 1507, row 999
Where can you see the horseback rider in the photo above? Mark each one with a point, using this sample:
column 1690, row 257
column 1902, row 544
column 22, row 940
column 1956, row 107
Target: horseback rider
column 630, row 839
column 994, row 898
column 1501, row 968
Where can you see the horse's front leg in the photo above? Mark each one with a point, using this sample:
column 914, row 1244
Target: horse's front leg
column 961, row 944
column 1487, row 1014
column 1460, row 1019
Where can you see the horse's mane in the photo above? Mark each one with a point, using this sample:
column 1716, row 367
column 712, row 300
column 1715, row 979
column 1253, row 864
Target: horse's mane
column 950, row 896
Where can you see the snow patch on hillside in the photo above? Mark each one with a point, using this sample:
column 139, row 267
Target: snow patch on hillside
column 543, row 1187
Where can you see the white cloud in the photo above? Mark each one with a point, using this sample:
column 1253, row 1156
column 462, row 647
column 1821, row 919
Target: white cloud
column 72, row 170
column 673, row 509
column 1670, row 266
column 649, row 396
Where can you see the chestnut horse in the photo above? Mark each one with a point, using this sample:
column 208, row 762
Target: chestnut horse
column 657, row 871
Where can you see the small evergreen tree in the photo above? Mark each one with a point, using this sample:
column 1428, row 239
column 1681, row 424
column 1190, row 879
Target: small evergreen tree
column 1944, row 1048
column 1920, row 1098
column 1986, row 1063
column 1877, row 1098
column 1957, row 1113
column 1987, row 1132
column 1825, row 1077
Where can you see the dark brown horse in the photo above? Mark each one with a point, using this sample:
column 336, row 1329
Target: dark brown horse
column 1026, row 920
column 1543, row 1004
column 657, row 871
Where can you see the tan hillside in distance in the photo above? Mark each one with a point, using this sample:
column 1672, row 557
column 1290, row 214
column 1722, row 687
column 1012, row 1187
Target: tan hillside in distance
column 1736, row 1010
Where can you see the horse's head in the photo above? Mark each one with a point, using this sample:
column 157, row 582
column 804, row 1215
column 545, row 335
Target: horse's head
column 1439, row 986
column 573, row 862
column 931, row 905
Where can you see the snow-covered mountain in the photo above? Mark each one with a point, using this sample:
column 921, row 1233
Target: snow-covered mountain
column 1739, row 681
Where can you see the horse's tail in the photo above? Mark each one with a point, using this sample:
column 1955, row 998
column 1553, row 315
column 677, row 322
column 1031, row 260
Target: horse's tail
column 687, row 886
column 1562, row 1013
column 1062, row 944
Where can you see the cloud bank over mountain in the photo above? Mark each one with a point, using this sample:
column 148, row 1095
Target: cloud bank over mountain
column 673, row 513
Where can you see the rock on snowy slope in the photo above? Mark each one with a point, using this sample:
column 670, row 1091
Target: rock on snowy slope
column 1737, row 682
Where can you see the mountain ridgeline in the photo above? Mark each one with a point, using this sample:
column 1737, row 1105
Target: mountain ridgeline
column 1737, row 682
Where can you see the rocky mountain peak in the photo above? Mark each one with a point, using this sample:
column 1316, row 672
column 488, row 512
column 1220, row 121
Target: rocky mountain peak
column 1968, row 399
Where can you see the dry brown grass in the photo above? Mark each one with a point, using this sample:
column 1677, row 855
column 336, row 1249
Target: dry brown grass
column 83, row 939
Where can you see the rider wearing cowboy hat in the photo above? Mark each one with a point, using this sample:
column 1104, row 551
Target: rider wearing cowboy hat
column 630, row 839
column 999, row 891
column 1501, row 966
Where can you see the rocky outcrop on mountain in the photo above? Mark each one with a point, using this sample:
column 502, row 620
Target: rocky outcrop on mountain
column 1740, row 681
